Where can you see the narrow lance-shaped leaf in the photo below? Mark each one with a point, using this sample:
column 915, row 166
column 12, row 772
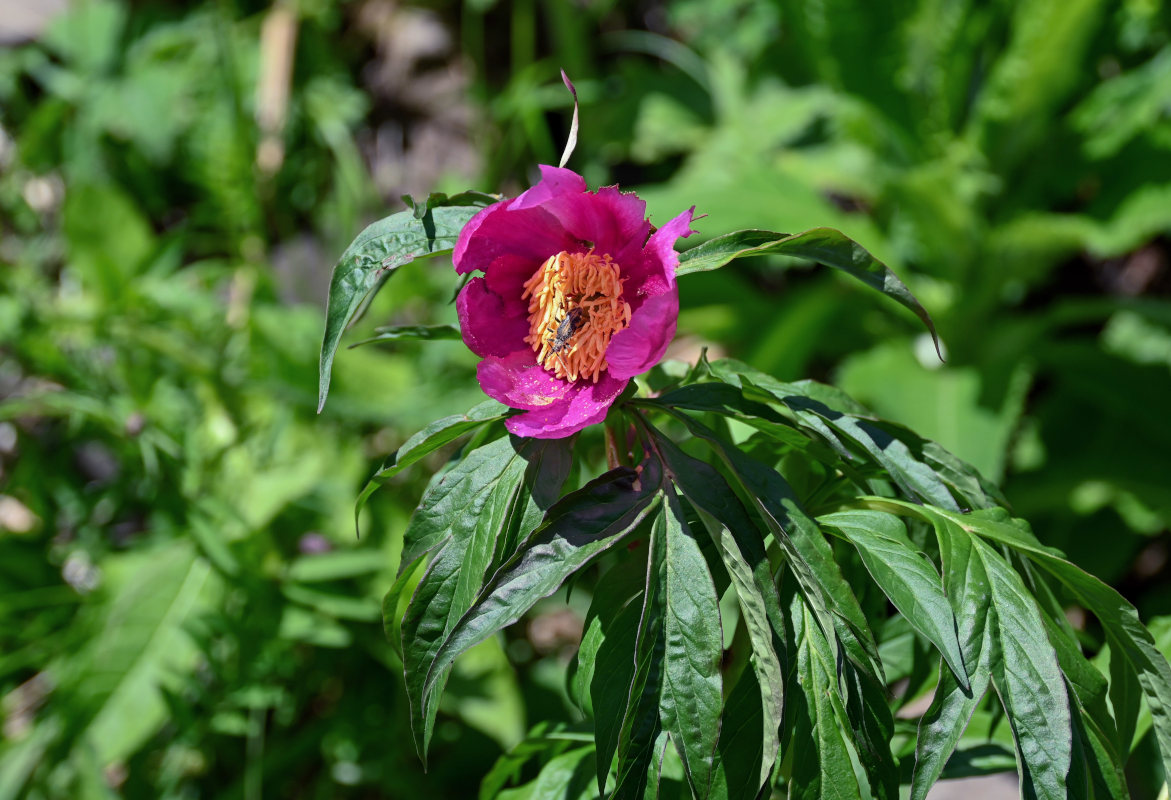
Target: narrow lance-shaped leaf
column 640, row 743
column 1024, row 669
column 741, row 546
column 834, row 604
column 381, row 248
column 437, row 434
column 488, row 501
column 941, row 728
column 906, row 577
column 692, row 687
column 411, row 333
column 1129, row 639
column 578, row 528
column 823, row 245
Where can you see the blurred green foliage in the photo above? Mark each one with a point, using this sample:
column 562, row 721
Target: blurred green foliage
column 184, row 608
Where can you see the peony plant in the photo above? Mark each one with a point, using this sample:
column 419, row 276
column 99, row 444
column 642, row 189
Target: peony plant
column 890, row 622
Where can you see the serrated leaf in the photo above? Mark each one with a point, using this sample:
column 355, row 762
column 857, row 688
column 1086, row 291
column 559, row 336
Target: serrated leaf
column 578, row 528
column 372, row 258
column 823, row 245
column 692, row 687
column 905, row 576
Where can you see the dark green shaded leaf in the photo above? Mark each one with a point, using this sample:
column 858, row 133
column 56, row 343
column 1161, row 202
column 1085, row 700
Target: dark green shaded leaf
column 372, row 258
column 487, row 503
column 823, row 245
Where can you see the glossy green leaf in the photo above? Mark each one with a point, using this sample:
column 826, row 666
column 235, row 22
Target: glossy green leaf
column 823, row 245
column 822, row 766
column 906, row 576
column 641, row 740
column 741, row 548
column 578, row 528
column 496, row 495
column 372, row 258
column 942, row 727
column 692, row 687
column 437, row 434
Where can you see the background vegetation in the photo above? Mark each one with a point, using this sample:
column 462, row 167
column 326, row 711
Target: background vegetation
column 184, row 608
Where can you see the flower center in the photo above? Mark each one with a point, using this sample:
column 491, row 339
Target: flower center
column 575, row 307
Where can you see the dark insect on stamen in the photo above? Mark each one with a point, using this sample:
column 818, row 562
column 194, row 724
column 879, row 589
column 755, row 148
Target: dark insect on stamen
column 569, row 325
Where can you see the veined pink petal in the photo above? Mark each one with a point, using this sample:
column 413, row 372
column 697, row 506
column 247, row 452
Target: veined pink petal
column 517, row 380
column 654, row 272
column 585, row 404
column 612, row 222
column 532, row 234
column 641, row 345
column 487, row 327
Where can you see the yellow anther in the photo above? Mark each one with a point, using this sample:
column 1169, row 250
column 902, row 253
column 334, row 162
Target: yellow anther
column 575, row 308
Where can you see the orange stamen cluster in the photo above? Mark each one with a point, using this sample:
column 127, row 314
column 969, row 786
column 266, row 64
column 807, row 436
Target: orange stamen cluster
column 578, row 295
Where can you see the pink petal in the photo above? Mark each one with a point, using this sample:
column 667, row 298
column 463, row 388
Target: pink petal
column 641, row 345
column 613, row 222
column 585, row 404
column 654, row 272
column 518, row 381
column 555, row 182
column 484, row 320
column 531, row 234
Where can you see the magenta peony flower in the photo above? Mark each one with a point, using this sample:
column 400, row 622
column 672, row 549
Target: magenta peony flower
column 578, row 296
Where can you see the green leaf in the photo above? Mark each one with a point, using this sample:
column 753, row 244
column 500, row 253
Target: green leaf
column 741, row 547
column 485, row 504
column 411, row 333
column 612, row 618
column 1024, row 667
column 641, row 741
column 823, row 245
column 692, row 688
column 806, row 400
column 942, row 727
column 831, row 599
column 437, row 434
column 905, row 576
column 373, row 257
column 1128, row 638
column 1029, row 681
column 822, row 767
column 578, row 528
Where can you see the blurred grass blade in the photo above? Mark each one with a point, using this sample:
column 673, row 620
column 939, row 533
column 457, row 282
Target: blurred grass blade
column 571, row 142
column 823, row 245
